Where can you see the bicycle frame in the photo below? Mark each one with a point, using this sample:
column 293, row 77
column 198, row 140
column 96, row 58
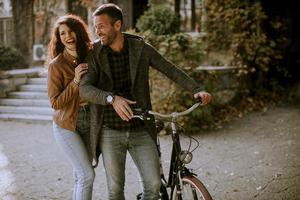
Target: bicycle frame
column 177, row 168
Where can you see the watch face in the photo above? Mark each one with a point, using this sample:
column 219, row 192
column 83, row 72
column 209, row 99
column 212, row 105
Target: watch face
column 109, row 99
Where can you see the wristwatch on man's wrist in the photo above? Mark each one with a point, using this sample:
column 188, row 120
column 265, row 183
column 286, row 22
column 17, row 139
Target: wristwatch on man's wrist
column 110, row 99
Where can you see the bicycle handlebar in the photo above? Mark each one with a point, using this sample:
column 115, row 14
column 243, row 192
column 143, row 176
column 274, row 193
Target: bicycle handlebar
column 172, row 115
column 175, row 114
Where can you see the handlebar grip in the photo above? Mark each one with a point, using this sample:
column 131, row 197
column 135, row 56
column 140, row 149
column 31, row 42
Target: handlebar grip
column 198, row 100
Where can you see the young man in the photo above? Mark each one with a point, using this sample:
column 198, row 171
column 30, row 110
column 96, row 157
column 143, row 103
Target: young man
column 117, row 81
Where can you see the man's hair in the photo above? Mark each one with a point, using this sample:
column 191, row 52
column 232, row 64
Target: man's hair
column 112, row 10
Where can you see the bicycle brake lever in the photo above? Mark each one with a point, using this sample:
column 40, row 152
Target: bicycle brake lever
column 141, row 114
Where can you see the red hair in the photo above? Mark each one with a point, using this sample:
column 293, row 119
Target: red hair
column 76, row 24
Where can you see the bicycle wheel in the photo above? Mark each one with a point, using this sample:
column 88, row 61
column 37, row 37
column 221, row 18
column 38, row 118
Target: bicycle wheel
column 192, row 189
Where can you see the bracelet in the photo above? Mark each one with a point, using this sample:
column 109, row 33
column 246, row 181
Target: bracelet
column 76, row 81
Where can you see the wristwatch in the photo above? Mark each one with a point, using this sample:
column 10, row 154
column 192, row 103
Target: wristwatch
column 110, row 99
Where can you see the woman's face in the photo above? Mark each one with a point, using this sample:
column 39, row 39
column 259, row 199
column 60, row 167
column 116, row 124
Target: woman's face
column 67, row 37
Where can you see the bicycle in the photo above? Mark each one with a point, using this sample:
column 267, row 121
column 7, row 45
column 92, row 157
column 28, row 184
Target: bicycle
column 183, row 183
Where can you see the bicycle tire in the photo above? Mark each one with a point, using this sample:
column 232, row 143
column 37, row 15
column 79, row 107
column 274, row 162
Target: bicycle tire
column 193, row 189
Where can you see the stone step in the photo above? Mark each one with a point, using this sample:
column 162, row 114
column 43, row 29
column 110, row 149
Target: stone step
column 28, row 95
column 25, row 102
column 26, row 110
column 22, row 117
column 28, row 72
column 34, row 88
column 30, row 102
column 37, row 81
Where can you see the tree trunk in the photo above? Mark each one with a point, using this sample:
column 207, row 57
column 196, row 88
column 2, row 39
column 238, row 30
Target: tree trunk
column 203, row 23
column 23, row 27
column 193, row 17
column 177, row 7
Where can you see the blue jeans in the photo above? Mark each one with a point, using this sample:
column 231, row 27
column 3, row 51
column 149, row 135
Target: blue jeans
column 114, row 145
column 74, row 146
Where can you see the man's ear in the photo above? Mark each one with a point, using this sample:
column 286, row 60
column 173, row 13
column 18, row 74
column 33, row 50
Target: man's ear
column 118, row 25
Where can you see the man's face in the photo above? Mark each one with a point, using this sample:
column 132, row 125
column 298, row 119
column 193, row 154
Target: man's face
column 104, row 29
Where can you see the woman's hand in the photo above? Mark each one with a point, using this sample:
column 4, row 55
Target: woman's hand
column 79, row 71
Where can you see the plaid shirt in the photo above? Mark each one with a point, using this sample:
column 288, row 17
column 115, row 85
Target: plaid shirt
column 119, row 66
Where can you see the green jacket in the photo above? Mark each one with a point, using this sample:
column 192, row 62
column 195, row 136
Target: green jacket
column 97, row 83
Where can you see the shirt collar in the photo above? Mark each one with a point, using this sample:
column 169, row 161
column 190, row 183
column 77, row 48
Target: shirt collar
column 125, row 48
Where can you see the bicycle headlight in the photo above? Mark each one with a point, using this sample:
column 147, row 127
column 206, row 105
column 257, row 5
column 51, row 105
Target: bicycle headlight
column 185, row 156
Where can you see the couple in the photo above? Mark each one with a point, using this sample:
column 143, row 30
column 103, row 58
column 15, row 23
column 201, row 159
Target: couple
column 93, row 89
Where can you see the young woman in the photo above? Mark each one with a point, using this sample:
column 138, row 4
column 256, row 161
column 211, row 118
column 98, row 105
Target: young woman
column 69, row 45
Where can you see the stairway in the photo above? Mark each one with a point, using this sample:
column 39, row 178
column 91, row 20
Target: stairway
column 29, row 102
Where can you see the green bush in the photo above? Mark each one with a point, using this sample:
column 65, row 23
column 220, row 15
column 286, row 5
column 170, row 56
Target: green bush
column 234, row 36
column 11, row 58
column 160, row 20
column 236, row 27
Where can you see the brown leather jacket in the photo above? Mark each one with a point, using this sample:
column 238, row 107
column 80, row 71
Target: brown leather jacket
column 63, row 93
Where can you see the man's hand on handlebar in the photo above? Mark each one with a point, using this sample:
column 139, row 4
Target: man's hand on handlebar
column 122, row 107
column 203, row 97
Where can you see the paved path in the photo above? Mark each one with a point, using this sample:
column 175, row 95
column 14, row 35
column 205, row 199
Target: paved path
column 256, row 157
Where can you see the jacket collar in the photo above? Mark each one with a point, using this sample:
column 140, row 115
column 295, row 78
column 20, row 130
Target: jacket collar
column 70, row 59
column 135, row 46
column 135, row 49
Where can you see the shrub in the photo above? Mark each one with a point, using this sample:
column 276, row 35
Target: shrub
column 236, row 27
column 11, row 58
column 234, row 36
column 160, row 20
